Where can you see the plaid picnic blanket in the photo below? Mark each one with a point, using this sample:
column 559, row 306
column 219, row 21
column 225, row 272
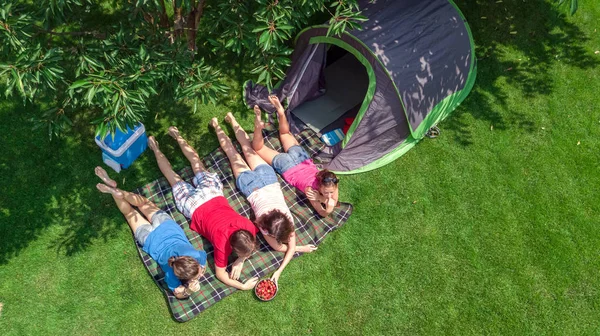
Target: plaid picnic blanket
column 310, row 227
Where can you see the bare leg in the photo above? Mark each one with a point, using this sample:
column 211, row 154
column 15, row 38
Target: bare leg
column 258, row 142
column 238, row 165
column 134, row 218
column 187, row 150
column 252, row 158
column 287, row 139
column 163, row 163
column 147, row 207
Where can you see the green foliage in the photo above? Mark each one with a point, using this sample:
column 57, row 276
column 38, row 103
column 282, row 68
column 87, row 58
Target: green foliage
column 263, row 29
column 58, row 55
column 573, row 5
column 480, row 231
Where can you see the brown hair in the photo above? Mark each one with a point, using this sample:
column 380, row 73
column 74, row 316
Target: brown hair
column 185, row 267
column 242, row 242
column 277, row 224
column 327, row 178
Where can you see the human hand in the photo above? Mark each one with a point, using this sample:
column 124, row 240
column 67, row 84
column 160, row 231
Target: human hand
column 306, row 248
column 180, row 292
column 250, row 283
column 194, row 285
column 236, row 270
column 275, row 276
column 312, row 194
column 331, row 202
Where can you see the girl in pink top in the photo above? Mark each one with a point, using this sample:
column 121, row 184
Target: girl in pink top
column 258, row 182
column 295, row 165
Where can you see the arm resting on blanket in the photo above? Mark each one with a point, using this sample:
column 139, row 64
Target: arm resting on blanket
column 224, row 277
column 180, row 293
column 236, row 268
column 289, row 250
column 316, row 204
column 284, row 248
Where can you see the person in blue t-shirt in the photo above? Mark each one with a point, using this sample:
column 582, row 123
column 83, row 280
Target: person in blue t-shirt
column 159, row 236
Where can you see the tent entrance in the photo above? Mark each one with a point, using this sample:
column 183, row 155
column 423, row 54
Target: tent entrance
column 346, row 83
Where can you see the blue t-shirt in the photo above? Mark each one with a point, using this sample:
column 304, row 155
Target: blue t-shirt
column 166, row 241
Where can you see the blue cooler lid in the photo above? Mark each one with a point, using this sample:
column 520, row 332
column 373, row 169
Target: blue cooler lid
column 119, row 138
column 114, row 144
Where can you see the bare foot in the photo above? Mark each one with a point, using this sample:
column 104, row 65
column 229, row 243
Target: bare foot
column 101, row 173
column 276, row 103
column 152, row 143
column 230, row 118
column 108, row 190
column 258, row 124
column 174, row 132
column 214, row 122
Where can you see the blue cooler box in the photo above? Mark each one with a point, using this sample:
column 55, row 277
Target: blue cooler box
column 120, row 151
column 333, row 137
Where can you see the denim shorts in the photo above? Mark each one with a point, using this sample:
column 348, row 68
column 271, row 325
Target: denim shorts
column 294, row 156
column 143, row 231
column 251, row 180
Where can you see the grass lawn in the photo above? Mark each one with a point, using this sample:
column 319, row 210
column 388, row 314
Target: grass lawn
column 492, row 228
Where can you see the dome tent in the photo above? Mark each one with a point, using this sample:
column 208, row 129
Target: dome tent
column 406, row 70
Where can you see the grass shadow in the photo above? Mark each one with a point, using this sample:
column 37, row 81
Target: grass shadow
column 517, row 44
column 59, row 175
column 48, row 183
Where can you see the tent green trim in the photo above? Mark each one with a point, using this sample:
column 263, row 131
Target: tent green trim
column 372, row 80
column 419, row 65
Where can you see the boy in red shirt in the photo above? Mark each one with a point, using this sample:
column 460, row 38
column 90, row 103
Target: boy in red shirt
column 210, row 213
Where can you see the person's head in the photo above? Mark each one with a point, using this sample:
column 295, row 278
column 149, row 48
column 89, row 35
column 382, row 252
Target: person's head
column 277, row 224
column 243, row 243
column 328, row 183
column 186, row 269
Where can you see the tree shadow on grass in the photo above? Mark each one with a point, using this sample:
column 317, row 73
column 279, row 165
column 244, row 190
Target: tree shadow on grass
column 52, row 183
column 88, row 216
column 47, row 183
column 517, row 44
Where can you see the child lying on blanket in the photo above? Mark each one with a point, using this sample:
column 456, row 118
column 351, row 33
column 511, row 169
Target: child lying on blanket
column 258, row 182
column 160, row 236
column 295, row 165
column 210, row 213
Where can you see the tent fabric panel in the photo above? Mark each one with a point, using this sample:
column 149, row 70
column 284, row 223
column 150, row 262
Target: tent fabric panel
column 388, row 158
column 425, row 47
column 448, row 104
column 354, row 158
column 303, row 79
column 370, row 72
column 380, row 132
column 383, row 124
column 440, row 112
column 306, row 81
column 423, row 60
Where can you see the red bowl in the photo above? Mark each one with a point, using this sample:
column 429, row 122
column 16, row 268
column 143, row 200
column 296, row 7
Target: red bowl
column 266, row 289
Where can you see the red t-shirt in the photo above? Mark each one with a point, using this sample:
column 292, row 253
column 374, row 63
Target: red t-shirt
column 216, row 221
